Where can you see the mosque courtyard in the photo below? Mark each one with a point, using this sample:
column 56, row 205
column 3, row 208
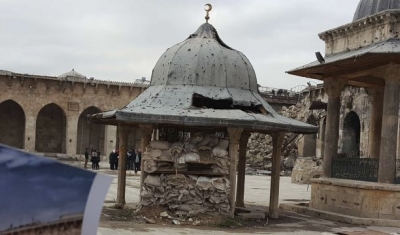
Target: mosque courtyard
column 256, row 196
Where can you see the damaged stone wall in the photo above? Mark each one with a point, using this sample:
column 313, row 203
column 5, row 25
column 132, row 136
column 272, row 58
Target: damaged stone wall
column 353, row 100
column 188, row 177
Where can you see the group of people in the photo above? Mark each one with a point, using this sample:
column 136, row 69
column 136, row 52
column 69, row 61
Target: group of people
column 94, row 158
column 134, row 158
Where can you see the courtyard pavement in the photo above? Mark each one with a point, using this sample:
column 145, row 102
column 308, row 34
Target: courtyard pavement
column 256, row 194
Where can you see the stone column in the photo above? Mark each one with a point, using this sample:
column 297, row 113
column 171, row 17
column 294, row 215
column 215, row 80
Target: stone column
column 147, row 131
column 123, row 132
column 387, row 157
column 30, row 131
column 110, row 140
column 234, row 137
column 376, row 97
column 72, row 135
column 244, row 138
column 334, row 89
column 277, row 141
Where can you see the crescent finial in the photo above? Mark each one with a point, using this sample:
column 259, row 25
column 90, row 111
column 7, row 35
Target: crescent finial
column 207, row 8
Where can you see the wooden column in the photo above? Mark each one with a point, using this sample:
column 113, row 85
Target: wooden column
column 334, row 90
column 147, row 131
column 234, row 137
column 123, row 132
column 277, row 141
column 241, row 169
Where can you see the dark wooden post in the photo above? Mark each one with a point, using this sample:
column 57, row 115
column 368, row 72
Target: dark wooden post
column 123, row 140
column 234, row 137
column 241, row 169
column 277, row 140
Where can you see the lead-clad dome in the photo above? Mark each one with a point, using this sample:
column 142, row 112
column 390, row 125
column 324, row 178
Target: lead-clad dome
column 202, row 82
column 205, row 60
column 367, row 8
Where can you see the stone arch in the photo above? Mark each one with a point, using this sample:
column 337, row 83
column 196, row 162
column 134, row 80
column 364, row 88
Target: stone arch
column 310, row 141
column 12, row 124
column 89, row 135
column 351, row 135
column 51, row 128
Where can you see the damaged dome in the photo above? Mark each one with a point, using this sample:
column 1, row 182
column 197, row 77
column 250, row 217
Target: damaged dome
column 201, row 81
column 204, row 60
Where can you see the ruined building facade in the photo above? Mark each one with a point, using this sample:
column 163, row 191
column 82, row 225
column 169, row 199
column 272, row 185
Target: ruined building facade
column 353, row 125
column 47, row 114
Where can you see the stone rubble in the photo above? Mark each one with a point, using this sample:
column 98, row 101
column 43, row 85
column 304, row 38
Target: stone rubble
column 259, row 146
column 188, row 178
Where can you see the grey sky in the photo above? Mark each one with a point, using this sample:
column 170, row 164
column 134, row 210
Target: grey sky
column 122, row 40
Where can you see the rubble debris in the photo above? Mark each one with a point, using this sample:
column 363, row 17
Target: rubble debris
column 188, row 178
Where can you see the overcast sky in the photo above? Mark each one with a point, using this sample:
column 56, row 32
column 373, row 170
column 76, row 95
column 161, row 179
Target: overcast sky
column 122, row 40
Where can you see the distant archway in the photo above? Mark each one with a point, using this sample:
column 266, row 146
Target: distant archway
column 12, row 124
column 51, row 129
column 310, row 141
column 89, row 135
column 351, row 135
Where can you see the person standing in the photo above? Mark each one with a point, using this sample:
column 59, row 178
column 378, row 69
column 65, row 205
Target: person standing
column 97, row 166
column 137, row 160
column 93, row 156
column 86, row 157
column 111, row 160
column 130, row 159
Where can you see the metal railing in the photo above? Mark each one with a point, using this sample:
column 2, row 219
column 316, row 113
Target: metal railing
column 362, row 169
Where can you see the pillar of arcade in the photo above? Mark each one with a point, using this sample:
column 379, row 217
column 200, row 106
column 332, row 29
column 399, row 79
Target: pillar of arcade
column 376, row 97
column 334, row 90
column 390, row 117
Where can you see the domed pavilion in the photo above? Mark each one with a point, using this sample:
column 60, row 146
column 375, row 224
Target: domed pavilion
column 201, row 88
column 364, row 53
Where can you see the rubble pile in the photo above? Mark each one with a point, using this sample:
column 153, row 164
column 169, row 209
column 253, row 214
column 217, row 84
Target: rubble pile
column 305, row 169
column 188, row 178
column 259, row 151
column 259, row 146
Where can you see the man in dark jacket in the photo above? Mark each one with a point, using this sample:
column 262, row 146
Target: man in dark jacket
column 111, row 160
column 130, row 159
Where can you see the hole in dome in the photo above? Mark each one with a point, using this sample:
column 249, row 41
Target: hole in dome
column 201, row 101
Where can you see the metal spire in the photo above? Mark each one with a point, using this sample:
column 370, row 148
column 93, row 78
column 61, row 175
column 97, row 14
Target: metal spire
column 207, row 8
